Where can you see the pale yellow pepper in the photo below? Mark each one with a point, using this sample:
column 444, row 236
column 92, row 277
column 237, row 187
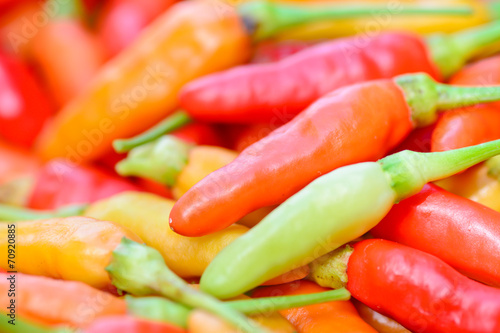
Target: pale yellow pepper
column 147, row 215
column 73, row 248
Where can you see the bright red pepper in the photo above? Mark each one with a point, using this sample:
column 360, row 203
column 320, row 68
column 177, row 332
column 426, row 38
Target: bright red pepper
column 61, row 183
column 420, row 291
column 419, row 140
column 271, row 51
column 461, row 232
column 128, row 324
column 359, row 123
column 24, row 106
column 121, row 21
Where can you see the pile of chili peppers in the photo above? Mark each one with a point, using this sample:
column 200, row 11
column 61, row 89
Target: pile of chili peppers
column 191, row 166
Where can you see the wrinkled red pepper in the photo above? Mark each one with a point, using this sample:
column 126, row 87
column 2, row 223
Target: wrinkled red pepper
column 24, row 106
column 60, row 183
column 461, row 232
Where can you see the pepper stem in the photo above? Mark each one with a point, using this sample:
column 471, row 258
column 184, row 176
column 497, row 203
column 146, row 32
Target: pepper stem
column 266, row 19
column 11, row 213
column 493, row 165
column 330, row 270
column 141, row 271
column 426, row 96
column 451, row 52
column 65, row 9
column 169, row 124
column 410, row 171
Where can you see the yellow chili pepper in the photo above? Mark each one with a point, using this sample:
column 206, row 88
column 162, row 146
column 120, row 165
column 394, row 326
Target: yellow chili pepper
column 391, row 20
column 147, row 215
column 74, row 248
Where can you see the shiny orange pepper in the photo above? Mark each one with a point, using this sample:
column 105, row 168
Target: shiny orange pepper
column 139, row 88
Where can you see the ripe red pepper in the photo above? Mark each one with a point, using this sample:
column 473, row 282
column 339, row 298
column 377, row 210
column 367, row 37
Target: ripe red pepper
column 60, row 183
column 359, row 123
column 24, row 106
column 419, row 140
column 471, row 125
column 461, row 232
column 271, row 51
column 128, row 324
column 420, row 291
column 121, row 21
column 262, row 92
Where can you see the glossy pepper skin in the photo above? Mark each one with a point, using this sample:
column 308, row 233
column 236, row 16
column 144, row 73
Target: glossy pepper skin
column 264, row 92
column 379, row 322
column 430, row 295
column 24, row 105
column 48, row 301
column 129, row 324
column 66, row 52
column 121, row 21
column 60, row 183
column 307, row 144
column 137, row 89
column 463, row 233
column 74, row 248
column 338, row 316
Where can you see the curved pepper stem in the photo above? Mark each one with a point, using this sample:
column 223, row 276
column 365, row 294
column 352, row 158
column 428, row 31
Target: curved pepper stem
column 451, row 52
column 157, row 308
column 65, row 9
column 12, row 214
column 410, row 171
column 141, row 270
column 266, row 19
column 169, row 124
column 426, row 96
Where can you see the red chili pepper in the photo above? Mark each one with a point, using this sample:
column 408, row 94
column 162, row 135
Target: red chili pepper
column 128, row 324
column 359, row 123
column 271, row 51
column 262, row 92
column 461, row 232
column 16, row 162
column 61, row 183
column 121, row 21
column 66, row 52
column 419, row 140
column 199, row 134
column 420, row 291
column 24, row 107
column 471, row 125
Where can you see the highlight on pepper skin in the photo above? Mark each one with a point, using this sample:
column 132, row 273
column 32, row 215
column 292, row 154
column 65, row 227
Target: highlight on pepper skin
column 249, row 166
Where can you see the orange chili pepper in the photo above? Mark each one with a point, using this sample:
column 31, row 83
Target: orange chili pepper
column 338, row 316
column 137, row 89
column 51, row 302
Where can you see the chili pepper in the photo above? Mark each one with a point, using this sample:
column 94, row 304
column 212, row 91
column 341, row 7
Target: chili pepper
column 146, row 215
column 60, row 183
column 66, row 52
column 200, row 134
column 343, row 205
column 461, row 232
column 140, row 270
column 142, row 84
column 48, row 301
column 17, row 28
column 73, row 248
column 121, row 21
column 325, row 67
column 22, row 325
column 271, row 51
column 389, row 19
column 338, row 316
column 128, row 324
column 161, row 309
column 483, row 72
column 24, row 107
column 370, row 119
column 253, row 133
column 442, row 300
column 379, row 322
column 418, row 140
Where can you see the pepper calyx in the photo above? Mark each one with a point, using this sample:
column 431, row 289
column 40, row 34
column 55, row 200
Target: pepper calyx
column 330, row 270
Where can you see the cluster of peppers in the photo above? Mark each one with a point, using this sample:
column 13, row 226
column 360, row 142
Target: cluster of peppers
column 234, row 166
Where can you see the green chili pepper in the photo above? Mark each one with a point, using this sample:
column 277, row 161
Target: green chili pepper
column 331, row 211
column 11, row 213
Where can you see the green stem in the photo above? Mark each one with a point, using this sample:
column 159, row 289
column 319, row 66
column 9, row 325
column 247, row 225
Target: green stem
column 451, row 52
column 425, row 96
column 265, row 18
column 269, row 304
column 169, row 124
column 410, row 171
column 11, row 213
column 65, row 9
column 24, row 326
column 493, row 165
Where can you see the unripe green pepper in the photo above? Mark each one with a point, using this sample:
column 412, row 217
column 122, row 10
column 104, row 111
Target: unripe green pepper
column 331, row 211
